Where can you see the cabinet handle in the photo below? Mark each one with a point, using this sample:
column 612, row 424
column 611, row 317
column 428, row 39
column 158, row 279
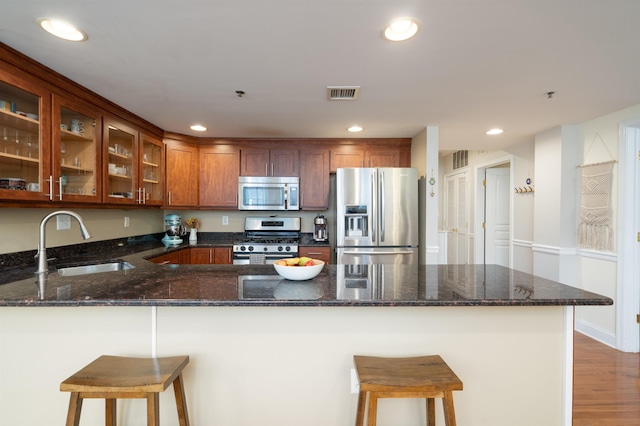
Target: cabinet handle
column 50, row 180
column 272, row 169
column 210, row 256
column 142, row 195
column 60, row 188
column 266, row 169
column 169, row 196
column 313, row 253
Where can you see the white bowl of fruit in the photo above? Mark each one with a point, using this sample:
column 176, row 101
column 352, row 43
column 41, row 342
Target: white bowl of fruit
column 298, row 268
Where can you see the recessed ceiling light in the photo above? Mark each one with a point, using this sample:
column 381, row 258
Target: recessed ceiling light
column 355, row 129
column 494, row 131
column 401, row 29
column 198, row 128
column 62, row 29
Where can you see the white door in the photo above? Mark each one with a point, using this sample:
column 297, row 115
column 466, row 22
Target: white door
column 497, row 216
column 457, row 218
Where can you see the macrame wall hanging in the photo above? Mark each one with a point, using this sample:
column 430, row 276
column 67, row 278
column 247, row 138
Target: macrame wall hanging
column 595, row 230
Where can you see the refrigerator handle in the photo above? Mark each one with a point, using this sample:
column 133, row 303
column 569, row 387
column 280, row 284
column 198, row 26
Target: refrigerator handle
column 373, row 224
column 381, row 201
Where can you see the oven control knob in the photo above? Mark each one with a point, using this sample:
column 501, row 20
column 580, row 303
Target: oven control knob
column 250, row 248
column 279, row 248
column 242, row 248
column 288, row 248
column 266, row 249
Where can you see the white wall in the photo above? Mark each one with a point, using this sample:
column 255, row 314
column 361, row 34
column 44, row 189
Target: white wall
column 598, row 270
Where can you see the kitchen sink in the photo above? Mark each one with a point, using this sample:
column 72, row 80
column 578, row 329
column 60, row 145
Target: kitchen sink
column 85, row 268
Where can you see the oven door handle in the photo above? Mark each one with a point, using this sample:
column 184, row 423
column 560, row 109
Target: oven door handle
column 267, row 256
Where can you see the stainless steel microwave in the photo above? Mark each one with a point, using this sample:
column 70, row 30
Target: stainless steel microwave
column 268, row 193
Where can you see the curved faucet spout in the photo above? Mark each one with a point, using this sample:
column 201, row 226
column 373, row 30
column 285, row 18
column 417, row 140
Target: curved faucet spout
column 43, row 267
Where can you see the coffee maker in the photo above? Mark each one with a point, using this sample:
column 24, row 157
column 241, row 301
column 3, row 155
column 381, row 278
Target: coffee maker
column 174, row 230
column 320, row 229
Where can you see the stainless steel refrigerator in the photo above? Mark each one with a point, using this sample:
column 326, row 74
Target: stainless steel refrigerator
column 377, row 216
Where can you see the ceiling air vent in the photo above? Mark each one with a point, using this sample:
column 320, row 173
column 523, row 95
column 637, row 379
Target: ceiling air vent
column 343, row 93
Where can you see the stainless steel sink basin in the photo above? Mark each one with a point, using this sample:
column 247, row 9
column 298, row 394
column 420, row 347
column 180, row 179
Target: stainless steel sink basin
column 85, row 268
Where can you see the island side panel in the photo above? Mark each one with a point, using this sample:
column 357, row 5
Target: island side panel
column 291, row 365
column 42, row 346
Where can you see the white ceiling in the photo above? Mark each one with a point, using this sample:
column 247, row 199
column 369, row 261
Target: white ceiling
column 475, row 64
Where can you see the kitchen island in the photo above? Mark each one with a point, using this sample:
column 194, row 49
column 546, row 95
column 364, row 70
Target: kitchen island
column 273, row 352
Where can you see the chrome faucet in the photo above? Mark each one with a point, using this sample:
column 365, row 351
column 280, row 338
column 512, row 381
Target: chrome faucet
column 41, row 255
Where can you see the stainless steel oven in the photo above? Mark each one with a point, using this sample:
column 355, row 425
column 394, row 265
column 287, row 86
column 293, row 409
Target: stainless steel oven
column 268, row 193
column 267, row 239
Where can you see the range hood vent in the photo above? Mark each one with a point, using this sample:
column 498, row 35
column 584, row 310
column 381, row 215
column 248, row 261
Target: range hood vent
column 343, row 93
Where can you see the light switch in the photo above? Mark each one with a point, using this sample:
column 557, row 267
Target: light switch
column 225, row 220
column 126, row 221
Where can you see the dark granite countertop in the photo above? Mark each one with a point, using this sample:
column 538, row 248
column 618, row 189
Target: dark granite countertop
column 150, row 284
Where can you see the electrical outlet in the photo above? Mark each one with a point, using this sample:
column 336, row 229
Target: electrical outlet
column 355, row 384
column 225, row 220
column 63, row 221
column 126, row 221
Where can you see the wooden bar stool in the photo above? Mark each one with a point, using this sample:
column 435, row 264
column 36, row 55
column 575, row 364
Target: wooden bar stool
column 417, row 377
column 113, row 377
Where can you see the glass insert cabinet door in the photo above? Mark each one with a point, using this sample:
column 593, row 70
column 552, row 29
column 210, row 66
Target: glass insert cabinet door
column 24, row 147
column 150, row 189
column 121, row 143
column 76, row 157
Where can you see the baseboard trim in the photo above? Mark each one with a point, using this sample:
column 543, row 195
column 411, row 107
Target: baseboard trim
column 596, row 333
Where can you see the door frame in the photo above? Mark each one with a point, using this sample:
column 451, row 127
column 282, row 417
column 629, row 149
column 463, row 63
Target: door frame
column 628, row 269
column 479, row 206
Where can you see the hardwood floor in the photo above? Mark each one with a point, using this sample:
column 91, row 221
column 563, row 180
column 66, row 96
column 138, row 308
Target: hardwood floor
column 606, row 387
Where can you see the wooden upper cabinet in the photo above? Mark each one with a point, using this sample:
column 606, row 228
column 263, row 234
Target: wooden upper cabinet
column 367, row 155
column 284, row 162
column 182, row 164
column 382, row 158
column 151, row 167
column 76, row 155
column 120, row 145
column 314, row 179
column 25, row 141
column 346, row 157
column 269, row 162
column 219, row 171
column 254, row 162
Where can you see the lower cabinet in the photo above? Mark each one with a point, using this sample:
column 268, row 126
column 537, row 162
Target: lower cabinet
column 210, row 255
column 167, row 258
column 196, row 256
column 320, row 253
